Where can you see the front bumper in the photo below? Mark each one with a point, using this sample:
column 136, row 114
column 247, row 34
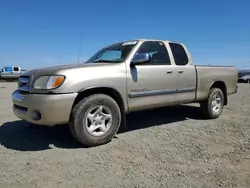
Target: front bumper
column 43, row 109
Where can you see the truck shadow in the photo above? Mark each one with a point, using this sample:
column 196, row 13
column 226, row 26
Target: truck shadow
column 160, row 116
column 17, row 135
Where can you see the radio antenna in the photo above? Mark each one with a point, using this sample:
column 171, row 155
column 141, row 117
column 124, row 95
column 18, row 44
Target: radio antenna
column 80, row 48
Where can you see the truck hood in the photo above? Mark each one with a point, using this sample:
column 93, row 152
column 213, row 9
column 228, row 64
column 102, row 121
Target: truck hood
column 79, row 75
column 34, row 73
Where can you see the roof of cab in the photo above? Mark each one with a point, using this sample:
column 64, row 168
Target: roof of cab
column 145, row 39
column 150, row 39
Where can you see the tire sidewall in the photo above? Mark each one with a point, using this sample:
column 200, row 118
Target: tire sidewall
column 81, row 119
column 213, row 92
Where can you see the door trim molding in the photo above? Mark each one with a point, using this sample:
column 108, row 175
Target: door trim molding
column 159, row 92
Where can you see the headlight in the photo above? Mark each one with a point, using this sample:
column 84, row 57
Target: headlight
column 48, row 82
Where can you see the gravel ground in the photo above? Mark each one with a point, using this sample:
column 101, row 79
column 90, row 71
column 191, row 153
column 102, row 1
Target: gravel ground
column 169, row 147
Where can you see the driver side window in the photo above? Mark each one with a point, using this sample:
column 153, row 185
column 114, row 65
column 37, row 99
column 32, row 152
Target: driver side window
column 157, row 52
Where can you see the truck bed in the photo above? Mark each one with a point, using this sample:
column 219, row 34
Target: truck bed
column 208, row 75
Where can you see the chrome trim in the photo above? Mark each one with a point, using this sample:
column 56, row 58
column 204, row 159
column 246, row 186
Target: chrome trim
column 23, row 83
column 159, row 92
column 140, row 58
column 16, row 96
column 24, row 80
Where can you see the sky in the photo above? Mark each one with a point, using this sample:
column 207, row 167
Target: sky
column 45, row 33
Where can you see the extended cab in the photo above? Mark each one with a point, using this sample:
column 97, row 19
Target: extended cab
column 94, row 97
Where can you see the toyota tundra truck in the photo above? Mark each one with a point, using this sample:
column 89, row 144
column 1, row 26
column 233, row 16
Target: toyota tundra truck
column 94, row 97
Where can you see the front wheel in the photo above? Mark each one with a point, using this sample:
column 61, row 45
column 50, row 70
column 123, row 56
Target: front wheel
column 95, row 120
column 213, row 105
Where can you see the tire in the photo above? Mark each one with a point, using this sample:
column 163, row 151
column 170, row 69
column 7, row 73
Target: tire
column 206, row 106
column 82, row 117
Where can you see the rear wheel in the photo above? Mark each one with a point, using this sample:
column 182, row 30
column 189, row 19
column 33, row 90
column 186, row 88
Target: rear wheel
column 213, row 105
column 95, row 120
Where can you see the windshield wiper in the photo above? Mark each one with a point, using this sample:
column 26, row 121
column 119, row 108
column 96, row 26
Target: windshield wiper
column 108, row 61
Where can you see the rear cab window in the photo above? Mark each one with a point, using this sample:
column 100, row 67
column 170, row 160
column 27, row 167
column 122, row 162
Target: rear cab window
column 179, row 53
column 16, row 69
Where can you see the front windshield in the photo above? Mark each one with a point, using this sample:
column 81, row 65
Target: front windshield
column 114, row 53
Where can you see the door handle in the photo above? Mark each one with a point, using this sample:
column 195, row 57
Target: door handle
column 169, row 71
column 180, row 71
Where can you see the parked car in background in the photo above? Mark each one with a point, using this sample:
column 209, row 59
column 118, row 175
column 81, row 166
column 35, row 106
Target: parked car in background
column 244, row 79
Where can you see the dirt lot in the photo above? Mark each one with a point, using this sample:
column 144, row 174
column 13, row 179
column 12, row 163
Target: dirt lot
column 169, row 147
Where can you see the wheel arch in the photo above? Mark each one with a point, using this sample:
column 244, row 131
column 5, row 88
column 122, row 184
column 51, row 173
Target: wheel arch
column 104, row 90
column 100, row 89
column 221, row 85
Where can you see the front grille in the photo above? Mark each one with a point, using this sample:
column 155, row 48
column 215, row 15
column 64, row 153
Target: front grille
column 24, row 84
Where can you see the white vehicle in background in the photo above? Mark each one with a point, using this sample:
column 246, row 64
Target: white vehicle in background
column 10, row 73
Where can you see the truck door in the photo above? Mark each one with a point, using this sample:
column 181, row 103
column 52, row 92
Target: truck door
column 152, row 84
column 185, row 73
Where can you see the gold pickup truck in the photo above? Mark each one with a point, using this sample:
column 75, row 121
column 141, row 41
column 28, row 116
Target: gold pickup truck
column 94, row 97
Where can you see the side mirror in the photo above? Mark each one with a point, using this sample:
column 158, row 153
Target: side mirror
column 140, row 58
